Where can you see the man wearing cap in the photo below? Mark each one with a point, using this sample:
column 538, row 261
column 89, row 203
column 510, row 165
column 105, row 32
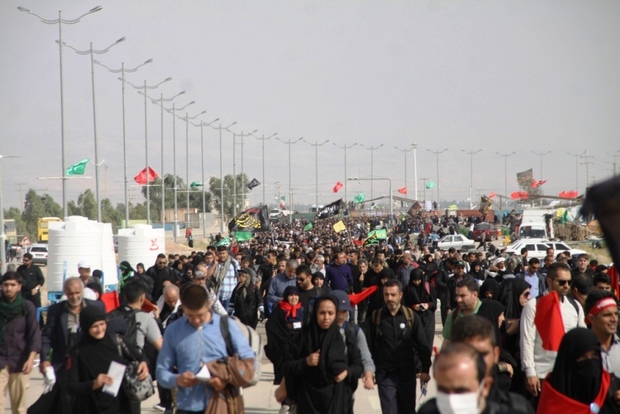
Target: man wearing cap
column 84, row 271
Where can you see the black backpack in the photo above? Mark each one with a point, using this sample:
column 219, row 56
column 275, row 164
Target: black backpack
column 125, row 317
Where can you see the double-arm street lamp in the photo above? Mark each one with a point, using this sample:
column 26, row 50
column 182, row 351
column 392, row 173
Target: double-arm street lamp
column 60, row 21
column 405, row 151
column 316, row 146
column 263, row 139
column 437, row 153
column 345, row 148
column 144, row 87
column 235, row 167
column 372, row 166
column 202, row 166
column 219, row 127
column 379, row 179
column 289, row 142
column 122, row 71
column 92, row 52
column 471, row 175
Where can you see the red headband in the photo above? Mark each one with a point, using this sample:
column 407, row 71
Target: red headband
column 603, row 304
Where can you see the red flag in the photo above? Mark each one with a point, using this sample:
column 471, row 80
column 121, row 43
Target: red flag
column 612, row 272
column 548, row 321
column 145, row 177
column 403, row 190
column 110, row 301
column 337, row 187
column 519, row 195
column 492, row 195
column 568, row 194
column 357, row 298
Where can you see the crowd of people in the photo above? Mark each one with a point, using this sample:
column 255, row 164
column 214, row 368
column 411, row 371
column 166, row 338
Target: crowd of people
column 519, row 336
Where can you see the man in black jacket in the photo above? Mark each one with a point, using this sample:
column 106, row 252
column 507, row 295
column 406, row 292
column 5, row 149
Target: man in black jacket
column 397, row 342
column 32, row 280
column 441, row 280
column 61, row 332
column 161, row 275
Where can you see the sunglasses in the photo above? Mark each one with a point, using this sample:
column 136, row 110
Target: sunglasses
column 526, row 294
column 562, row 282
column 162, row 263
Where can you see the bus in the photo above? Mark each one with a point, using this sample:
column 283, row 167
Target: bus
column 42, row 226
column 10, row 231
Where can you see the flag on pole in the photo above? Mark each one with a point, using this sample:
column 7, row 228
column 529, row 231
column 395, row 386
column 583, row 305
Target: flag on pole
column 337, row 187
column 332, row 209
column 243, row 235
column 195, row 184
column 224, row 242
column 430, row 185
column 283, row 198
column 253, row 219
column 308, row 226
column 359, row 199
column 403, row 190
column 79, row 168
column 492, row 195
column 145, row 176
column 339, row 226
column 253, row 183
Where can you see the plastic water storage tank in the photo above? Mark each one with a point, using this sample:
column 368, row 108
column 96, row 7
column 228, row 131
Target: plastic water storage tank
column 77, row 239
column 141, row 244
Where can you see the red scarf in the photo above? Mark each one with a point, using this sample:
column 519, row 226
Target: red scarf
column 551, row 401
column 289, row 309
column 548, row 321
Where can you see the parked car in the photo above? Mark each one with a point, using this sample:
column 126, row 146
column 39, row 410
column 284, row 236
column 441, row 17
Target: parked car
column 562, row 247
column 536, row 247
column 275, row 214
column 39, row 253
column 485, row 228
column 458, row 241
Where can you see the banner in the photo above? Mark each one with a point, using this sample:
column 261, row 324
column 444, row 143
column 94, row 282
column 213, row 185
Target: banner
column 195, row 184
column 243, row 236
column 224, row 242
column 145, row 177
column 525, row 177
column 403, row 190
column 485, row 204
column 338, row 227
column 337, row 187
column 253, row 183
column 253, row 219
column 374, row 236
column 330, row 210
column 308, row 226
column 79, row 168
column 359, row 199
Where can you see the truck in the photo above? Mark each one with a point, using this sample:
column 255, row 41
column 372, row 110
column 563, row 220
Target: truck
column 535, row 224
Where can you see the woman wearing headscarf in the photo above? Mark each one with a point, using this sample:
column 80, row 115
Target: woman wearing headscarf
column 489, row 289
column 90, row 361
column 578, row 383
column 421, row 296
column 246, row 299
column 519, row 295
column 317, row 376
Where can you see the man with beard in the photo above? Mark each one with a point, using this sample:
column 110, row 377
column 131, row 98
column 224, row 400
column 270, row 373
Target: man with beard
column 307, row 291
column 396, row 340
column 162, row 275
column 377, row 275
column 32, row 280
column 61, row 332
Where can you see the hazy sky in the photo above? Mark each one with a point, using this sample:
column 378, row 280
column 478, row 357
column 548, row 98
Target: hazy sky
column 503, row 76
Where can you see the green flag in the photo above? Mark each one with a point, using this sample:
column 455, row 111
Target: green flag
column 359, row 199
column 195, row 184
column 79, row 168
column 430, row 185
column 243, row 235
column 224, row 242
column 380, row 234
column 283, row 198
column 308, row 226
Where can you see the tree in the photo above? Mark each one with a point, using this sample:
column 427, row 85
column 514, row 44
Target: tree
column 36, row 207
column 14, row 214
column 195, row 196
column 229, row 185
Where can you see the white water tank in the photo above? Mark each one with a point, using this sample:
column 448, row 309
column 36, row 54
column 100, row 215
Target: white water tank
column 77, row 239
column 141, row 244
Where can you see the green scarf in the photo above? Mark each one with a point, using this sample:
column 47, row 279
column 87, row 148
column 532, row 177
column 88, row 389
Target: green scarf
column 124, row 279
column 10, row 311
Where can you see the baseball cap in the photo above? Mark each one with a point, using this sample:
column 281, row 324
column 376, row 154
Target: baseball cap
column 344, row 303
column 460, row 263
column 83, row 264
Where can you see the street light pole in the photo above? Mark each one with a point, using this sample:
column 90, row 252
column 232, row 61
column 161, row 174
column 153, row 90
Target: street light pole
column 60, row 22
column 222, row 176
column 234, row 172
column 345, row 148
column 122, row 71
column 202, row 166
column 541, row 155
column 415, row 169
column 471, row 174
column 390, row 189
column 263, row 139
column 372, row 166
column 505, row 171
column 146, row 144
column 424, row 180
column 289, row 142
column 437, row 183
column 90, row 52
column 405, row 151
column 316, row 146
column 174, row 164
column 161, row 101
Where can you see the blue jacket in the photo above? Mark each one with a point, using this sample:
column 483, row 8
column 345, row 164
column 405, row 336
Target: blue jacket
column 338, row 277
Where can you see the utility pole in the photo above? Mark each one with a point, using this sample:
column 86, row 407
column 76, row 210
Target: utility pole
column 437, row 183
column 424, row 180
column 471, row 174
column 577, row 156
column 586, row 157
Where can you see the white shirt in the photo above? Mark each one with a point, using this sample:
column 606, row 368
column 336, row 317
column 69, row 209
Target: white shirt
column 535, row 360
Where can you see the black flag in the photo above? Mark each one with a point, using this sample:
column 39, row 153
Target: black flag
column 330, row 210
column 253, row 183
column 252, row 219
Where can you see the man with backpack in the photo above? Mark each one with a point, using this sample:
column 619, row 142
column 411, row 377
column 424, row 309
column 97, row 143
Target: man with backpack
column 399, row 349
column 138, row 327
